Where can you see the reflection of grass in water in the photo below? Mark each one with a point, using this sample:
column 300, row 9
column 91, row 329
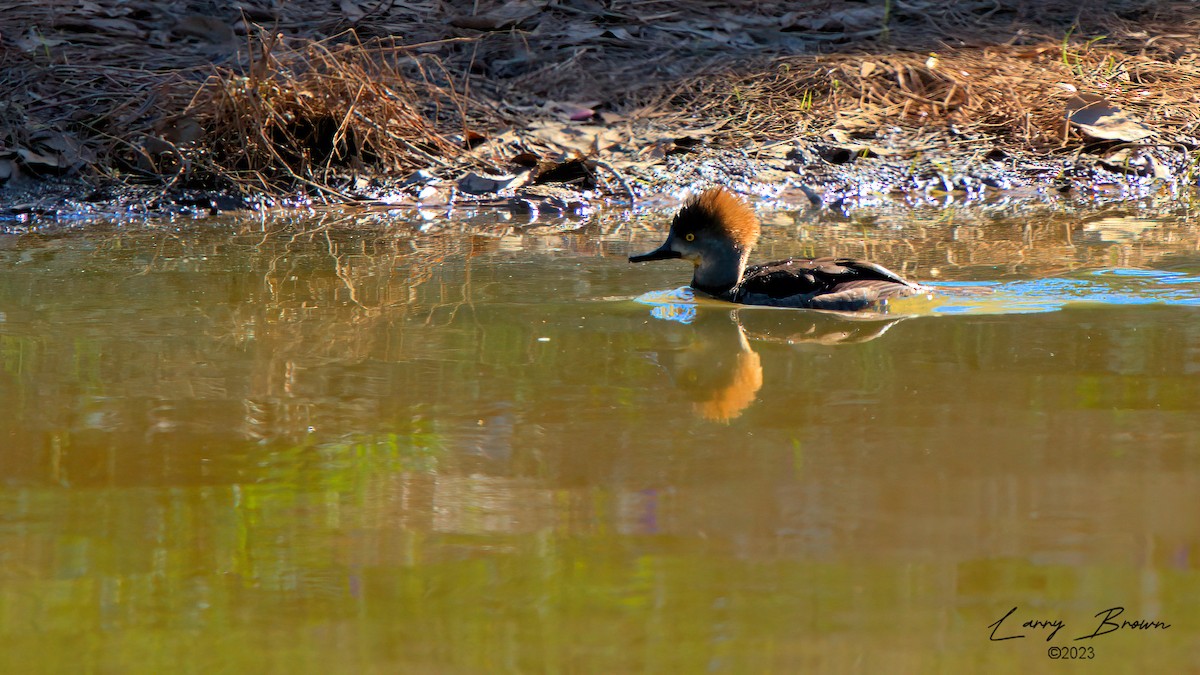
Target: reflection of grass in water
column 368, row 454
column 16, row 353
column 235, row 590
column 322, row 483
column 344, row 464
column 979, row 242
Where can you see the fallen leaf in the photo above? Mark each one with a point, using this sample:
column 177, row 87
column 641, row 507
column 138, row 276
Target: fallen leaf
column 505, row 16
column 582, row 114
column 585, row 138
column 777, row 39
column 717, row 36
column 669, row 146
column 848, row 143
column 185, row 130
column 420, row 177
column 567, row 168
column 38, row 161
column 576, row 111
column 154, row 146
column 846, row 20
column 34, row 41
column 473, row 138
column 1031, row 53
column 1097, row 117
column 430, row 195
column 109, row 27
column 351, row 10
column 1134, row 161
column 781, row 151
column 479, row 184
column 206, row 28
column 581, row 33
column 617, row 33
column 526, row 159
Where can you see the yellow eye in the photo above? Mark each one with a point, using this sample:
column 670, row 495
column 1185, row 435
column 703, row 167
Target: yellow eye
column 689, row 236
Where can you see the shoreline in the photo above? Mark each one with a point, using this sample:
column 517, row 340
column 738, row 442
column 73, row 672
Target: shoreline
column 566, row 106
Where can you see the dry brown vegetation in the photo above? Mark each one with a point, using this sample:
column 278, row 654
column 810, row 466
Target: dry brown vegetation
column 275, row 96
column 301, row 113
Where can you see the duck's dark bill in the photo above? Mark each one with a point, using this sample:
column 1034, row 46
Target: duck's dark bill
column 660, row 253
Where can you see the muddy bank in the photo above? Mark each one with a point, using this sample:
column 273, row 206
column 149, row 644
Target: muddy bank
column 120, row 107
column 790, row 175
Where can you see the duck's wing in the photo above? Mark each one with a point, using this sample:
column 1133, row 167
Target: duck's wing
column 820, row 276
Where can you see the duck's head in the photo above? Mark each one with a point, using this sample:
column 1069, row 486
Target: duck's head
column 715, row 231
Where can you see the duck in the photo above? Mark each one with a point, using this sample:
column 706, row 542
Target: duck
column 716, row 231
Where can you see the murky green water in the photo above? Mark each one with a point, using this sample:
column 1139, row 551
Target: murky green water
column 347, row 445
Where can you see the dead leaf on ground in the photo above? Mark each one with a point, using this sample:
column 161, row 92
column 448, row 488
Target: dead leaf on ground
column 582, row 114
column 56, row 142
column 41, row 162
column 479, row 184
column 52, row 152
column 431, row 196
column 105, row 27
column 566, row 168
column 847, row 142
column 183, row 131
column 846, row 20
column 581, row 33
column 1031, row 53
column 617, row 33
column 472, row 139
column 351, row 10
column 206, row 28
column 1134, row 161
column 782, row 151
column 525, row 159
column 585, row 138
column 34, row 41
column 573, row 110
column 720, row 37
column 1099, row 118
column 669, row 146
column 505, row 16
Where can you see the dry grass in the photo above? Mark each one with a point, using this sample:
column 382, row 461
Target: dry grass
column 308, row 113
column 309, row 95
column 1013, row 97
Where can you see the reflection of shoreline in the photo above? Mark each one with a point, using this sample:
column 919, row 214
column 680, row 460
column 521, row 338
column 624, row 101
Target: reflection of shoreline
column 785, row 514
column 719, row 371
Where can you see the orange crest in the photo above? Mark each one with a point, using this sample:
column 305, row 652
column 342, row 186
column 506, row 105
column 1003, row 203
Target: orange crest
column 727, row 212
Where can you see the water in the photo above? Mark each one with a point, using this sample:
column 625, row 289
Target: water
column 346, row 445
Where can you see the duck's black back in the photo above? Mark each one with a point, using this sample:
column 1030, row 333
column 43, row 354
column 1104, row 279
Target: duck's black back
column 799, row 277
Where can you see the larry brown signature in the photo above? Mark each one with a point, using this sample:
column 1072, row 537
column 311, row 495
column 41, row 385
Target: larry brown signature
column 1107, row 625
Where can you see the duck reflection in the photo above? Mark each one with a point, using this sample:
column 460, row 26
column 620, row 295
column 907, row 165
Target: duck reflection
column 715, row 368
column 819, row 328
column 720, row 373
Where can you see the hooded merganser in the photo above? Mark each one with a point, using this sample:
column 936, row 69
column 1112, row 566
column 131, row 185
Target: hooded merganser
column 716, row 232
